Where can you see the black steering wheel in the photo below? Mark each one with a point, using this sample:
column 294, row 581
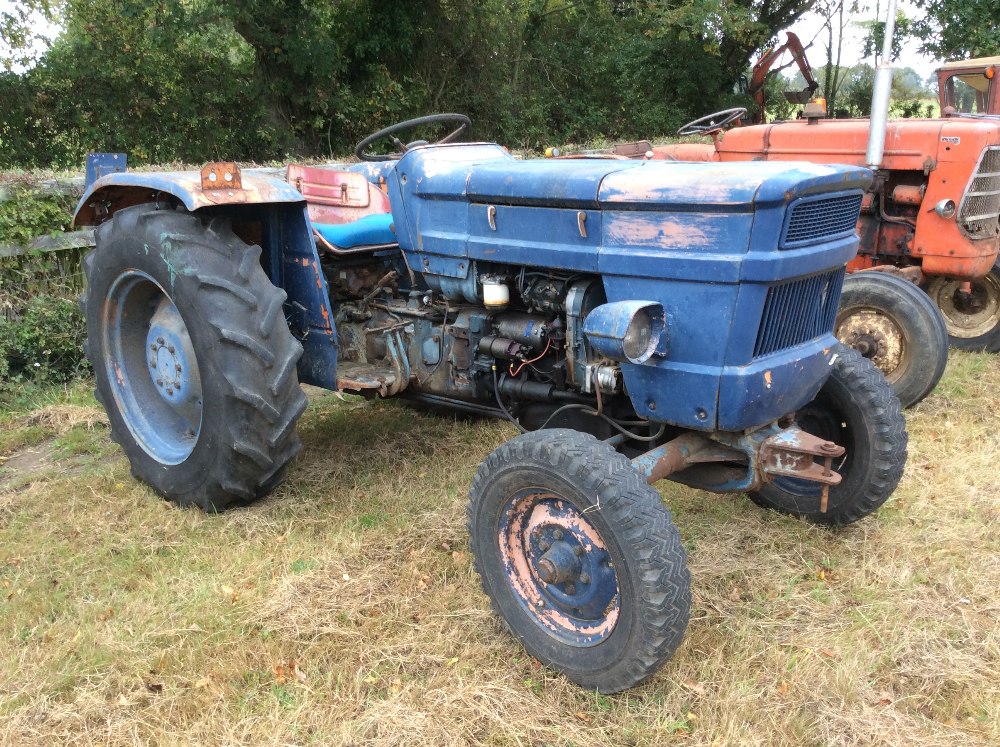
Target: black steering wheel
column 712, row 122
column 390, row 132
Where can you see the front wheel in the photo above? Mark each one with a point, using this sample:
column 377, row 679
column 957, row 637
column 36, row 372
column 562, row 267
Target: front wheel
column 193, row 359
column 579, row 557
column 972, row 318
column 856, row 409
column 893, row 323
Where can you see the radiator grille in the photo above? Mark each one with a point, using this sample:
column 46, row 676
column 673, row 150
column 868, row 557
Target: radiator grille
column 814, row 220
column 798, row 311
column 981, row 201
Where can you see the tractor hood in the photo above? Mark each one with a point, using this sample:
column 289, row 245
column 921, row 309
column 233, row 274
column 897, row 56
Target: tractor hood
column 489, row 174
column 910, row 144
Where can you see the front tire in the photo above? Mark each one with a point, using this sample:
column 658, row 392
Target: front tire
column 580, row 558
column 896, row 326
column 193, row 360
column 856, row 409
column 973, row 319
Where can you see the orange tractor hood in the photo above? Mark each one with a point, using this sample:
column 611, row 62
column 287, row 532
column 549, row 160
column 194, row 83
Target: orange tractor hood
column 909, row 143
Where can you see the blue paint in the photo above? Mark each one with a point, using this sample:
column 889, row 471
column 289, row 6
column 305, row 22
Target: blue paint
column 101, row 164
column 152, row 368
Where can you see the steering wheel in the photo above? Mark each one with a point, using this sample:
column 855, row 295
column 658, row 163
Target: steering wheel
column 390, row 132
column 712, row 122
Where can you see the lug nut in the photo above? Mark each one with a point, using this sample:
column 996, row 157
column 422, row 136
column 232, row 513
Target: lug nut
column 159, row 382
column 159, row 340
column 170, row 392
column 170, row 349
column 177, row 367
column 558, row 534
column 152, row 346
column 544, row 545
column 584, row 578
column 152, row 363
column 570, row 588
column 578, row 550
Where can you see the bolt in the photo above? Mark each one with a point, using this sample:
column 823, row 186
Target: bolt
column 152, row 346
column 558, row 534
column 544, row 545
column 159, row 340
column 584, row 578
column 170, row 392
column 177, row 385
column 570, row 588
column 159, row 382
column 152, row 363
column 177, row 368
column 578, row 550
column 829, row 447
column 170, row 349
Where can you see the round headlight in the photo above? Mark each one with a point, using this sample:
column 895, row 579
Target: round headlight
column 945, row 208
column 638, row 342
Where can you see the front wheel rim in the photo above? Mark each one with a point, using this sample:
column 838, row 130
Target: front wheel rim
column 559, row 568
column 151, row 368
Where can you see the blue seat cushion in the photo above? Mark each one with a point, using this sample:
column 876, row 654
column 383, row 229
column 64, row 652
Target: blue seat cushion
column 371, row 230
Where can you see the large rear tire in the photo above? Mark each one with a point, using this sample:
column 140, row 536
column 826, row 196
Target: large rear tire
column 972, row 319
column 856, row 409
column 193, row 359
column 891, row 322
column 579, row 557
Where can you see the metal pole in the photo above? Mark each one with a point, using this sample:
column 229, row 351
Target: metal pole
column 880, row 94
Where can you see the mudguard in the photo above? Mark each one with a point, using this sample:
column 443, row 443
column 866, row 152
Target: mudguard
column 113, row 192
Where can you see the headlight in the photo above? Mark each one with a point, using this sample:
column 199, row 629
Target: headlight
column 627, row 330
column 945, row 208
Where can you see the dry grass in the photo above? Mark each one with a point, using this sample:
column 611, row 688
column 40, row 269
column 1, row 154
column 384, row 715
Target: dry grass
column 343, row 609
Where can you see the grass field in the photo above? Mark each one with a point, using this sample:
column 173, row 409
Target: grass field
column 344, row 610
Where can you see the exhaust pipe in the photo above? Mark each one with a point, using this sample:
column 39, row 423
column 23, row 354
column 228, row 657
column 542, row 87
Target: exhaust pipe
column 880, row 94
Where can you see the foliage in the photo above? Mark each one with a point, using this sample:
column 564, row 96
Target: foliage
column 956, row 29
column 42, row 345
column 202, row 79
column 17, row 30
column 27, row 214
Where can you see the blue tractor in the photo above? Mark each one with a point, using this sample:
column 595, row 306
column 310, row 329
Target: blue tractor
column 636, row 320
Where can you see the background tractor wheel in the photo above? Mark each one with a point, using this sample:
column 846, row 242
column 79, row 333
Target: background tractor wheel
column 892, row 323
column 579, row 557
column 856, row 409
column 193, row 360
column 972, row 319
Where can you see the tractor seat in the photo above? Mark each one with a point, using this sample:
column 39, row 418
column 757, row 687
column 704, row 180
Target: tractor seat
column 371, row 230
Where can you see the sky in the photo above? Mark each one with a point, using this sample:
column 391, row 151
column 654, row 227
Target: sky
column 810, row 24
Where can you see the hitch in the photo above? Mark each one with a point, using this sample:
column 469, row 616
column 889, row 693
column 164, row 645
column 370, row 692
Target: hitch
column 790, row 454
column 786, row 452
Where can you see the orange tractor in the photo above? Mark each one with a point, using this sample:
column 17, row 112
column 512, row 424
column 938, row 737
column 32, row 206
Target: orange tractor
column 930, row 216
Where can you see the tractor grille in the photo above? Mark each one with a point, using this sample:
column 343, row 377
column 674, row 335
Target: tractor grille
column 981, row 202
column 820, row 219
column 798, row 311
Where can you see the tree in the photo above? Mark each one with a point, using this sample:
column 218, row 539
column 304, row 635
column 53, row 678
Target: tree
column 957, row 29
column 18, row 37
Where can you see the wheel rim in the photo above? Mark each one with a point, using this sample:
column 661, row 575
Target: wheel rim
column 878, row 338
column 968, row 315
column 559, row 567
column 151, row 368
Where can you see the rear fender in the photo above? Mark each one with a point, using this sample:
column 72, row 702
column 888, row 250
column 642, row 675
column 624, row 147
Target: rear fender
column 194, row 190
column 264, row 210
